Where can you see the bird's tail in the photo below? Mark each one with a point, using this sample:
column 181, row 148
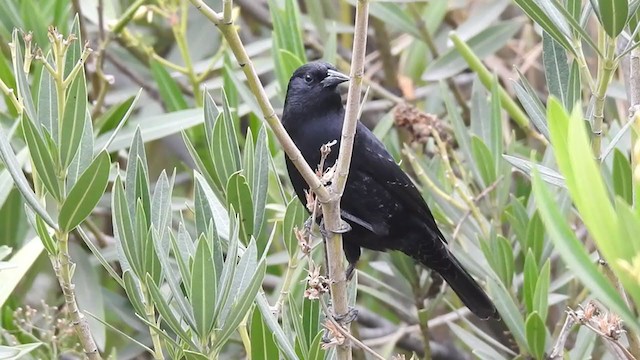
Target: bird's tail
column 466, row 288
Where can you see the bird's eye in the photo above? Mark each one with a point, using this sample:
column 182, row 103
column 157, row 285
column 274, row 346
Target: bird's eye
column 308, row 79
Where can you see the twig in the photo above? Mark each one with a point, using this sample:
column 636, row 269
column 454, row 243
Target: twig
column 230, row 32
column 346, row 333
column 607, row 326
column 484, row 193
column 331, row 209
column 558, row 348
column 606, row 70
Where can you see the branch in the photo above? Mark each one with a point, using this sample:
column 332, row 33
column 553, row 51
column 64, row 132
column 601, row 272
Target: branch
column 230, row 33
column 331, row 209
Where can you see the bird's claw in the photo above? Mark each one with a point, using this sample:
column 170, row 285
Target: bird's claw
column 308, row 224
column 346, row 318
column 343, row 229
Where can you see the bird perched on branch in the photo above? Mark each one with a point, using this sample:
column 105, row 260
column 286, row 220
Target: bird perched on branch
column 380, row 203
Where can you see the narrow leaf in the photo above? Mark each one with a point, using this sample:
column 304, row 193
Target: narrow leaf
column 86, row 193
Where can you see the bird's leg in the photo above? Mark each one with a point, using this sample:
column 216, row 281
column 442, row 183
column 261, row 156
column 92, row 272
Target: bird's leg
column 350, row 271
column 352, row 253
column 308, row 224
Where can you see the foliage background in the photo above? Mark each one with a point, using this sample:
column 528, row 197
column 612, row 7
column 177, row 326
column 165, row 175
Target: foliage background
column 549, row 101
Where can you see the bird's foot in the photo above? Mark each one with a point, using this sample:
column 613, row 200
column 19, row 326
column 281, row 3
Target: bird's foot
column 346, row 318
column 308, row 225
column 343, row 229
column 351, row 269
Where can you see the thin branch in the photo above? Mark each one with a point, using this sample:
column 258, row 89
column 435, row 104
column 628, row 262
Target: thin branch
column 331, row 209
column 230, row 33
column 346, row 333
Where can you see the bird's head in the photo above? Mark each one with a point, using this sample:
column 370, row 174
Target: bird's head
column 314, row 85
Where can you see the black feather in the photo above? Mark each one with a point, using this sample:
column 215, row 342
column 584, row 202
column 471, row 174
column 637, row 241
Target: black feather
column 382, row 205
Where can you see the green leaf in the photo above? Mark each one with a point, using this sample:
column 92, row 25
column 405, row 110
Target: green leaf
column 13, row 166
column 550, row 20
column 96, row 252
column 228, row 269
column 239, row 198
column 531, row 104
column 72, row 125
column 295, row 316
column 476, row 344
column 622, row 184
column 310, row 319
column 167, row 312
column 536, row 335
column 530, row 280
column 41, row 158
column 19, row 264
column 572, row 16
column 260, row 179
column 294, row 217
column 137, row 179
column 151, row 128
column 203, row 289
column 48, row 101
column 459, row 129
column 547, row 174
column 484, row 159
column 218, row 212
column 613, row 15
column 111, row 118
column 84, row 156
column 86, row 193
column 192, row 355
column 224, row 148
column 496, row 142
column 483, row 44
column 504, row 252
column 283, row 341
column 574, row 92
column 541, row 293
column 17, row 352
column 123, row 227
column 556, row 69
column 173, row 278
column 44, row 235
column 535, row 236
column 571, row 142
column 122, row 121
column 286, row 36
column 22, row 81
column 315, row 348
column 574, row 255
column 161, row 205
column 169, row 90
column 183, row 261
column 508, row 310
column 13, row 227
column 75, row 48
column 262, row 344
column 242, row 303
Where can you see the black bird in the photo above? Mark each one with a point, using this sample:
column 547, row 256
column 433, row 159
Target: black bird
column 380, row 203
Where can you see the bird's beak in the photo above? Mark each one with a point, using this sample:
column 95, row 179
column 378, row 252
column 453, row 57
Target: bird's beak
column 334, row 78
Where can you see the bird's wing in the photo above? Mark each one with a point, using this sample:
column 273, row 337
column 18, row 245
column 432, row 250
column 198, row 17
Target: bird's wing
column 377, row 164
